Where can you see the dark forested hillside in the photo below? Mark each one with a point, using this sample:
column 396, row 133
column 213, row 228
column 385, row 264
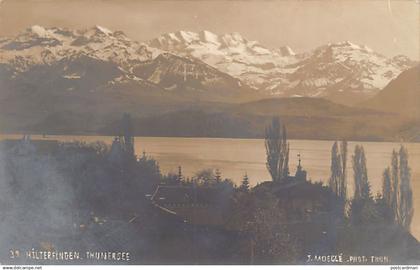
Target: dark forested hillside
column 306, row 118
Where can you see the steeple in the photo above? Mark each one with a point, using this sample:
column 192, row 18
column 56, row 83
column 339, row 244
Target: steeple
column 299, row 167
column 300, row 173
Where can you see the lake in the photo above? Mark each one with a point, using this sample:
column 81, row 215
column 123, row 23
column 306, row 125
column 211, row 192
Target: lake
column 235, row 157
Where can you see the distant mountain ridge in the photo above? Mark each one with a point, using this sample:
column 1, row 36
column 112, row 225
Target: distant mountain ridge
column 343, row 72
column 39, row 46
column 231, row 53
column 74, row 54
column 80, row 81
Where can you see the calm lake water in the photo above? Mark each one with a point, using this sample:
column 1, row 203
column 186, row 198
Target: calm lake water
column 235, row 157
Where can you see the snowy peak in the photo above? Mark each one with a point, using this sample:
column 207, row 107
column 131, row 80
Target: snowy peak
column 349, row 45
column 103, row 30
column 344, row 71
column 40, row 45
column 285, row 51
column 338, row 71
column 40, row 31
column 97, row 58
column 188, row 37
column 37, row 31
column 233, row 40
column 230, row 53
column 176, row 39
column 355, row 55
column 340, row 65
column 205, row 40
column 207, row 36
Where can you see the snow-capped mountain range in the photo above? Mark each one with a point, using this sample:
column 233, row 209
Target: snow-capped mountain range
column 230, row 53
column 335, row 71
column 98, row 59
column 38, row 45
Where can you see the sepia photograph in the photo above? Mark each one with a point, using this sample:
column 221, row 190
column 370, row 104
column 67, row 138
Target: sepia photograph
column 227, row 132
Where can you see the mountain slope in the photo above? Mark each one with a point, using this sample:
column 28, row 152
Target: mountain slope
column 304, row 118
column 64, row 81
column 135, row 65
column 187, row 76
column 38, row 46
column 230, row 53
column 302, row 106
column 343, row 72
column 401, row 95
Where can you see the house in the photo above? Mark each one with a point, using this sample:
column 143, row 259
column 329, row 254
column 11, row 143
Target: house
column 197, row 205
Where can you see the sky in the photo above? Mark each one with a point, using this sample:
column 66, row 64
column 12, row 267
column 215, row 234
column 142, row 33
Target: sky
column 388, row 27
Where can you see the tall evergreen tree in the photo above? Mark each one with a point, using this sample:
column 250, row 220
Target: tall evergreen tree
column 218, row 176
column 343, row 177
column 338, row 181
column 127, row 134
column 386, row 187
column 361, row 182
column 277, row 150
column 180, row 177
column 406, row 210
column 362, row 206
column 285, row 146
column 245, row 183
column 336, row 170
column 394, row 184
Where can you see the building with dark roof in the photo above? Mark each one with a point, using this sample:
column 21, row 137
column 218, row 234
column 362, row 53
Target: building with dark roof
column 197, row 205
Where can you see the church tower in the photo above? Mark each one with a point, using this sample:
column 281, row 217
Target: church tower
column 300, row 172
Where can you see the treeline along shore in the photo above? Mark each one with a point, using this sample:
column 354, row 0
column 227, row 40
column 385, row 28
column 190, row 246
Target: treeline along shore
column 58, row 196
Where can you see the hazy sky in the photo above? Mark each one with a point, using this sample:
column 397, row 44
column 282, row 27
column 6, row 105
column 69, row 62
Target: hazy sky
column 389, row 27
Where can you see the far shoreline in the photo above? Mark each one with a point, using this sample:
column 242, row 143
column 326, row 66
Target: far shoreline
column 5, row 134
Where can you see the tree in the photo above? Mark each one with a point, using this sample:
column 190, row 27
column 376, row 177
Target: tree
column 394, row 184
column 244, row 184
column 205, row 177
column 286, row 171
column 396, row 189
column 363, row 207
column 277, row 150
column 218, row 176
column 338, row 180
column 127, row 133
column 336, row 170
column 343, row 177
column 180, row 177
column 406, row 210
column 361, row 182
column 386, row 186
column 397, row 194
